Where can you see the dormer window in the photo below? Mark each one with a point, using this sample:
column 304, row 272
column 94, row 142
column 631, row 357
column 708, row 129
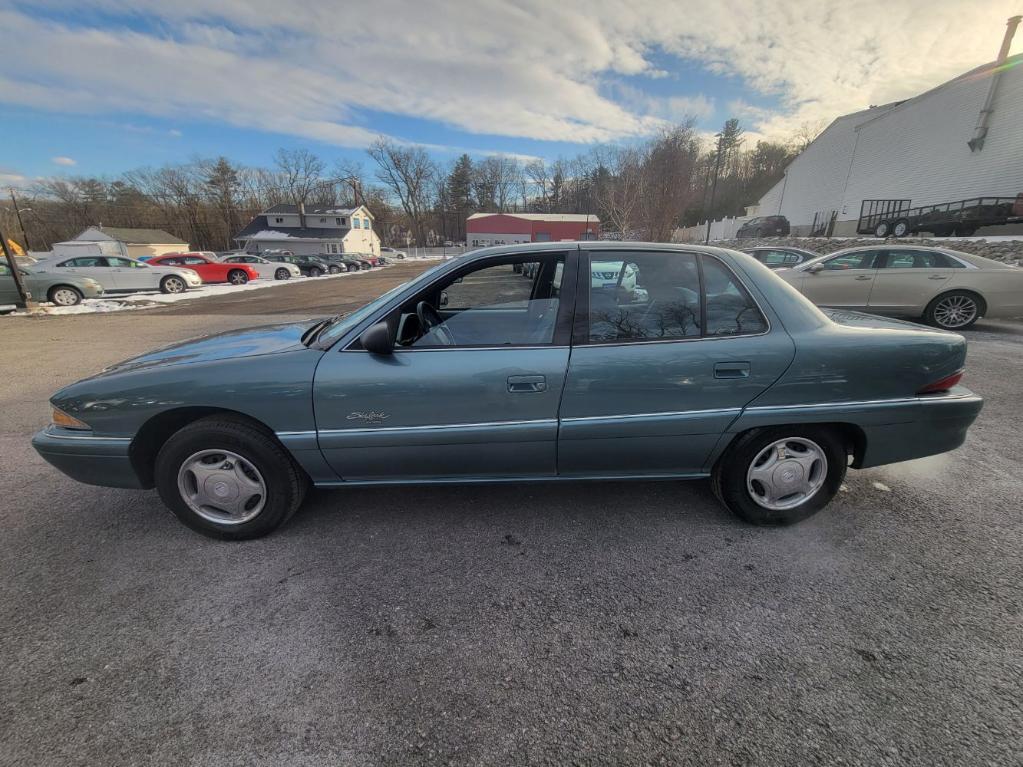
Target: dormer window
column 339, row 221
column 278, row 220
column 323, row 220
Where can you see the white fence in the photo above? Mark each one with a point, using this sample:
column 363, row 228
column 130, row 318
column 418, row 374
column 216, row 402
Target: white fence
column 722, row 229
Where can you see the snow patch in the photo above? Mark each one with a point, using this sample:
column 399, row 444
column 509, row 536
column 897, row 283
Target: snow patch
column 881, row 486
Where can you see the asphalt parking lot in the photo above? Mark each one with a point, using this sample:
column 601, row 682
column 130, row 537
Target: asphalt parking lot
column 605, row 623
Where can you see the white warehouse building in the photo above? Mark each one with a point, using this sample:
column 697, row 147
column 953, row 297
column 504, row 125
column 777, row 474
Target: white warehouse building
column 941, row 146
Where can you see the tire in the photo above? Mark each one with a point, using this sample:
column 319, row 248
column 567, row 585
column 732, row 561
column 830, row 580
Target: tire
column 334, row 269
column 64, row 295
column 282, row 274
column 228, row 448
column 955, row 310
column 747, row 496
column 882, row 229
column 315, row 272
column 900, row 228
column 172, row 285
column 352, row 267
column 237, row 277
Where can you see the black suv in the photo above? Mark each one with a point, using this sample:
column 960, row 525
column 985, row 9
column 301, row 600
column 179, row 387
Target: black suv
column 764, row 226
column 310, row 266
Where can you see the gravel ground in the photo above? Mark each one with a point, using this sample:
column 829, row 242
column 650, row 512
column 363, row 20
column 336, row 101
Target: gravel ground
column 610, row 623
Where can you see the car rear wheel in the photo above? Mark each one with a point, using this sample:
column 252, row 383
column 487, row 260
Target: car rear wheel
column 226, row 478
column 353, row 267
column 957, row 310
column 64, row 295
column 237, row 277
column 172, row 285
column 315, row 272
column 780, row 475
column 882, row 229
column 334, row 269
column 282, row 274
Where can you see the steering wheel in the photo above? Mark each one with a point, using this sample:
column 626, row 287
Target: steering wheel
column 429, row 319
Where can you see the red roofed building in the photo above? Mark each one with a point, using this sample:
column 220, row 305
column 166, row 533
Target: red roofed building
column 484, row 229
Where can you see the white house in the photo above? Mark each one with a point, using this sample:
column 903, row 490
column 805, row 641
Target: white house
column 919, row 150
column 311, row 231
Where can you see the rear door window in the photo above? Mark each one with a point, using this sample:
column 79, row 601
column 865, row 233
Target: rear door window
column 636, row 297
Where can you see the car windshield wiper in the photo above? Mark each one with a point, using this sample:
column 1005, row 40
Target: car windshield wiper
column 313, row 332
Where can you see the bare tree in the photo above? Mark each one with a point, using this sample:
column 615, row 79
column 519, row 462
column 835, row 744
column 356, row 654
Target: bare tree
column 619, row 198
column 301, row 172
column 408, row 173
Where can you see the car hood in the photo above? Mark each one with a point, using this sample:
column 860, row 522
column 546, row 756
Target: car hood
column 249, row 342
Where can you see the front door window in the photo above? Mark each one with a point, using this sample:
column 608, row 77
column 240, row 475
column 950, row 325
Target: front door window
column 509, row 303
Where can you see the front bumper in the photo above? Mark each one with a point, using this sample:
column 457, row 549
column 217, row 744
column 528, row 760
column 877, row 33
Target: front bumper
column 90, row 459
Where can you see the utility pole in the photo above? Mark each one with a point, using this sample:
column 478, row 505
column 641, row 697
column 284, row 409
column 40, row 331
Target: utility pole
column 714, row 186
column 17, row 212
column 26, row 301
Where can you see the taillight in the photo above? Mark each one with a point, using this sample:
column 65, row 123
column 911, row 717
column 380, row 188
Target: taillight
column 943, row 384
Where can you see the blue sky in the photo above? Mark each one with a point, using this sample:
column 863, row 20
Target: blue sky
column 103, row 86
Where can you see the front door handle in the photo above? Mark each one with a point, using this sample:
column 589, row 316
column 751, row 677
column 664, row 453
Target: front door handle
column 864, row 277
column 526, row 384
column 937, row 277
column 732, row 370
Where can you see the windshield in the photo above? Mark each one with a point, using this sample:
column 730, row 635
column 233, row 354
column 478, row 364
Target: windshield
column 343, row 323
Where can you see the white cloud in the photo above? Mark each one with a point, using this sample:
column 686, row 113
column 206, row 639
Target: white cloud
column 65, row 161
column 532, row 69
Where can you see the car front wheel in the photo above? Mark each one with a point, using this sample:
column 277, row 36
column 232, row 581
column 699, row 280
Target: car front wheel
column 237, row 277
column 335, row 270
column 228, row 479
column 172, row 285
column 282, row 274
column 64, row 295
column 780, row 475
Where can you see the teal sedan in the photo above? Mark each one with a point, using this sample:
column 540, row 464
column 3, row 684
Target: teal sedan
column 686, row 363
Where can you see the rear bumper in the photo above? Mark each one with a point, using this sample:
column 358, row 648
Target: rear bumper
column 93, row 460
column 939, row 425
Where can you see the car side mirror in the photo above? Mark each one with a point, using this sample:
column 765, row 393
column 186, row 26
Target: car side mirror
column 816, row 268
column 443, row 298
column 377, row 339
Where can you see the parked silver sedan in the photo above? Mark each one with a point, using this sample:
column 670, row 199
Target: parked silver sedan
column 945, row 288
column 118, row 274
column 269, row 270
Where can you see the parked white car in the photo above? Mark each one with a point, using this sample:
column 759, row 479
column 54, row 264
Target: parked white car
column 608, row 274
column 118, row 274
column 269, row 270
column 392, row 253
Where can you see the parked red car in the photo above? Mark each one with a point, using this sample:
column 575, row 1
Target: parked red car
column 209, row 269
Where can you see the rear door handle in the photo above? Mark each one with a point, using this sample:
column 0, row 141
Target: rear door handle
column 526, row 384
column 732, row 370
column 864, row 277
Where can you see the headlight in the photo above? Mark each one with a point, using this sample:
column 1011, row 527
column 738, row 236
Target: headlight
column 65, row 421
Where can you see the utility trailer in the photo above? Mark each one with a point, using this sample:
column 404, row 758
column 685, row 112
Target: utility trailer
column 884, row 218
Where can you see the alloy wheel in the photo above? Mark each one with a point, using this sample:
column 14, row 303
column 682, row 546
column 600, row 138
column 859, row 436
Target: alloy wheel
column 221, row 486
column 238, row 278
column 786, row 473
column 955, row 311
